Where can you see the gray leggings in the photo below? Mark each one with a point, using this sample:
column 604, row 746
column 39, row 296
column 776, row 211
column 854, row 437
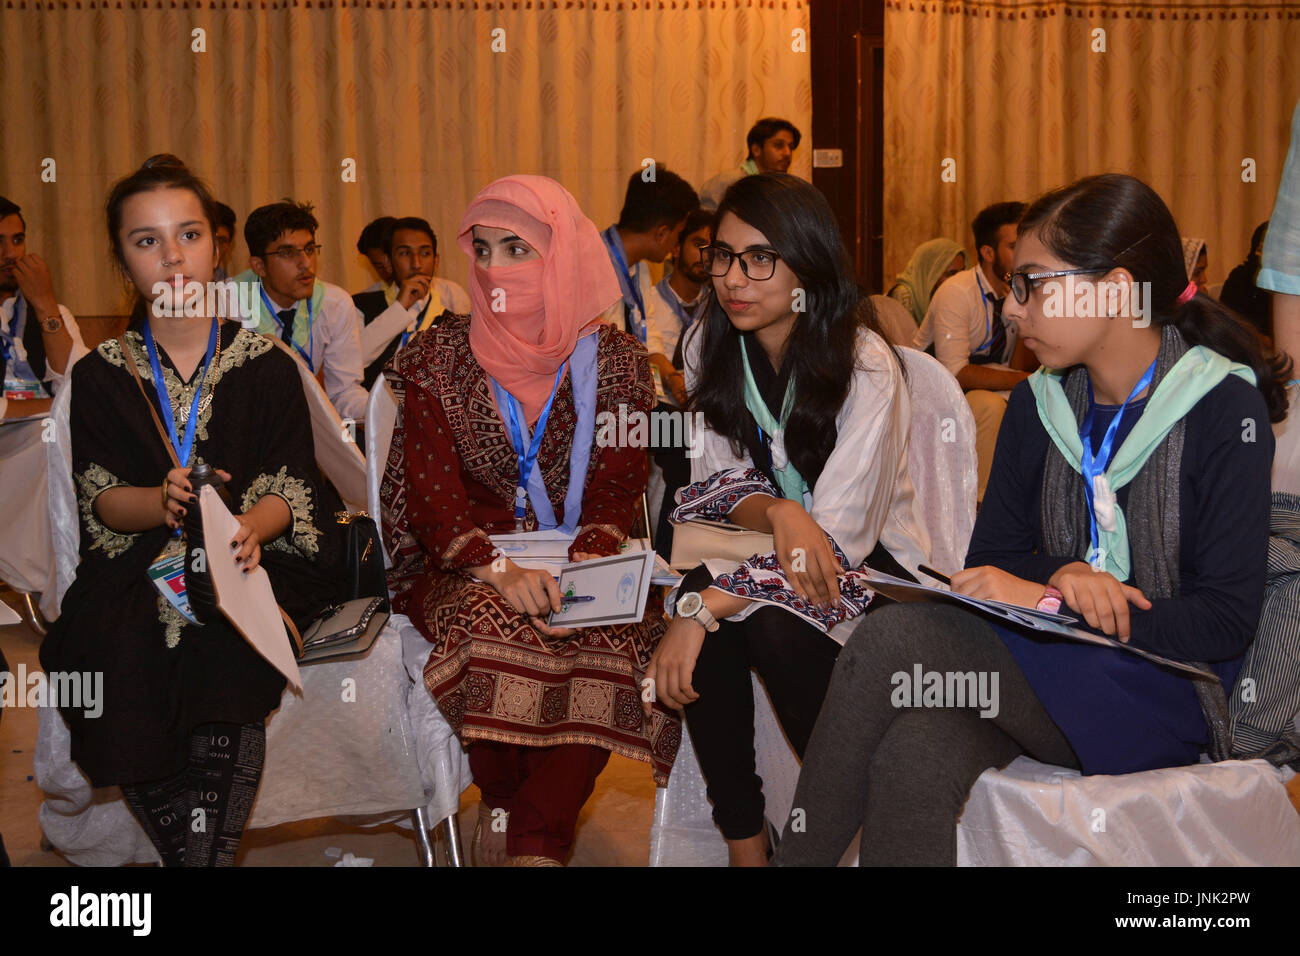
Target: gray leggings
column 903, row 772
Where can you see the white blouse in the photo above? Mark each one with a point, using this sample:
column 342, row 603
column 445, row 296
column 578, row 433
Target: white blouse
column 864, row 493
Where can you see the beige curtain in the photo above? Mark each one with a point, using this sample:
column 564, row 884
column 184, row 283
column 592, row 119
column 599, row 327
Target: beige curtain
column 1013, row 93
column 429, row 101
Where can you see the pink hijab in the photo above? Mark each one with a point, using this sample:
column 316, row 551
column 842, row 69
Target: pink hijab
column 542, row 307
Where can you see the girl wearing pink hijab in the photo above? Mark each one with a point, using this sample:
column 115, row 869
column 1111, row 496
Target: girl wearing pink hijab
column 495, row 433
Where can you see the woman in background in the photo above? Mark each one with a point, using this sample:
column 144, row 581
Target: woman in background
column 931, row 264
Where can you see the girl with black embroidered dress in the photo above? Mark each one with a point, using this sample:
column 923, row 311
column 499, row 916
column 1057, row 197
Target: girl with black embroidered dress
column 184, row 705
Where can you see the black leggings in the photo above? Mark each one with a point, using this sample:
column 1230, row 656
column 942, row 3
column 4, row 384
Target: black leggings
column 794, row 660
column 197, row 816
column 900, row 771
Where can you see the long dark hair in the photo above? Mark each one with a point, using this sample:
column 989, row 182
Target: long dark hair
column 1101, row 222
column 161, row 171
column 822, row 350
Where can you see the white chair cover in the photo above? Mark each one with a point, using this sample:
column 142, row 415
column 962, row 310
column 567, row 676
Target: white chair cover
column 1286, row 454
column 26, row 549
column 443, row 763
column 343, row 749
column 941, row 459
column 896, row 323
column 337, row 453
column 1234, row 813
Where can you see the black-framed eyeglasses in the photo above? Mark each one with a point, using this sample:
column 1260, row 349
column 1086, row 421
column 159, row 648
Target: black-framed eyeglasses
column 1022, row 282
column 291, row 253
column 757, row 264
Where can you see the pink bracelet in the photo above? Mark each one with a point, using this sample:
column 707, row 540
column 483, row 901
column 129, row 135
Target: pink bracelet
column 1050, row 601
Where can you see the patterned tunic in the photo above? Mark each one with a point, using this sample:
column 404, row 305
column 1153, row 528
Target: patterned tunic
column 449, row 482
column 162, row 674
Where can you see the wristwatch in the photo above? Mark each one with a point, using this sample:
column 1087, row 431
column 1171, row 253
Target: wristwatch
column 691, row 606
column 52, row 322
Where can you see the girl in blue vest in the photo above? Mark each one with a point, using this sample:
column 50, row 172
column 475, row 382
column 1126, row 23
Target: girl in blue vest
column 1130, row 488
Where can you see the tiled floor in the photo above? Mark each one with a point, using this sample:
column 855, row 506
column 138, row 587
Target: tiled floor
column 614, row 829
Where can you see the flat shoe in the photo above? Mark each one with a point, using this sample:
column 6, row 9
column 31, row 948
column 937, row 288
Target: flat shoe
column 476, row 845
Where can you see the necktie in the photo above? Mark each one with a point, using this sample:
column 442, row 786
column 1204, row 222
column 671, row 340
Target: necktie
column 286, row 324
column 998, row 340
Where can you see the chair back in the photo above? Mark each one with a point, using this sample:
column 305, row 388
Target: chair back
column 896, row 323
column 337, row 453
column 941, row 457
column 65, row 522
column 381, row 419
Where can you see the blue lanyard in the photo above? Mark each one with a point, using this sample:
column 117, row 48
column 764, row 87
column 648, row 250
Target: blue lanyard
column 182, row 448
column 270, row 307
column 418, row 320
column 529, row 460
column 1092, row 466
column 988, row 310
column 631, row 291
column 16, row 327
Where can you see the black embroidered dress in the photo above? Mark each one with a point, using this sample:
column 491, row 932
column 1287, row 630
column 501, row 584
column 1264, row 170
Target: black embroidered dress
column 162, row 674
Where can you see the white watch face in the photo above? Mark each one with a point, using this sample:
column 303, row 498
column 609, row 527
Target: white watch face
column 689, row 604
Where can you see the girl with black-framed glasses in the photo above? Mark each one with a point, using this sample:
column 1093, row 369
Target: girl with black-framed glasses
column 1130, row 489
column 807, row 418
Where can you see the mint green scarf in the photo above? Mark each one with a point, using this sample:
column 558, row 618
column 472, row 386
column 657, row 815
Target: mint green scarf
column 268, row 324
column 787, row 475
column 1188, row 381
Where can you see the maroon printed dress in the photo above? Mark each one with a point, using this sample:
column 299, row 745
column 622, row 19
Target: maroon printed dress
column 448, row 483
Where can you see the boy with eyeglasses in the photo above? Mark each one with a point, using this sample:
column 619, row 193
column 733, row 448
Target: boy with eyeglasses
column 316, row 320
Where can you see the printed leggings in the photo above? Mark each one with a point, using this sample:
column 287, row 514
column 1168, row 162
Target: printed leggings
column 196, row 817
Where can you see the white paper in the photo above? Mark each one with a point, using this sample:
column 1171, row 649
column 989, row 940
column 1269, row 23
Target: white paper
column 615, row 590
column 662, row 575
column 246, row 600
column 536, row 550
column 8, row 615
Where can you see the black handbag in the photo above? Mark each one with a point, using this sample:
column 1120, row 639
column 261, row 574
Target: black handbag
column 351, row 626
column 363, row 557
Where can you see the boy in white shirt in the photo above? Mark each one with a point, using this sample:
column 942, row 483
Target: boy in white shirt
column 315, row 319
column 415, row 301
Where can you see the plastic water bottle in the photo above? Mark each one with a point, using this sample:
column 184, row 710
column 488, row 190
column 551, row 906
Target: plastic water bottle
column 198, row 579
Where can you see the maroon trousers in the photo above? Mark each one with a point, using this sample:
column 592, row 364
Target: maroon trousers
column 542, row 788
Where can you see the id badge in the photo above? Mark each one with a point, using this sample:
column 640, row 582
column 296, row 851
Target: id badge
column 168, row 575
